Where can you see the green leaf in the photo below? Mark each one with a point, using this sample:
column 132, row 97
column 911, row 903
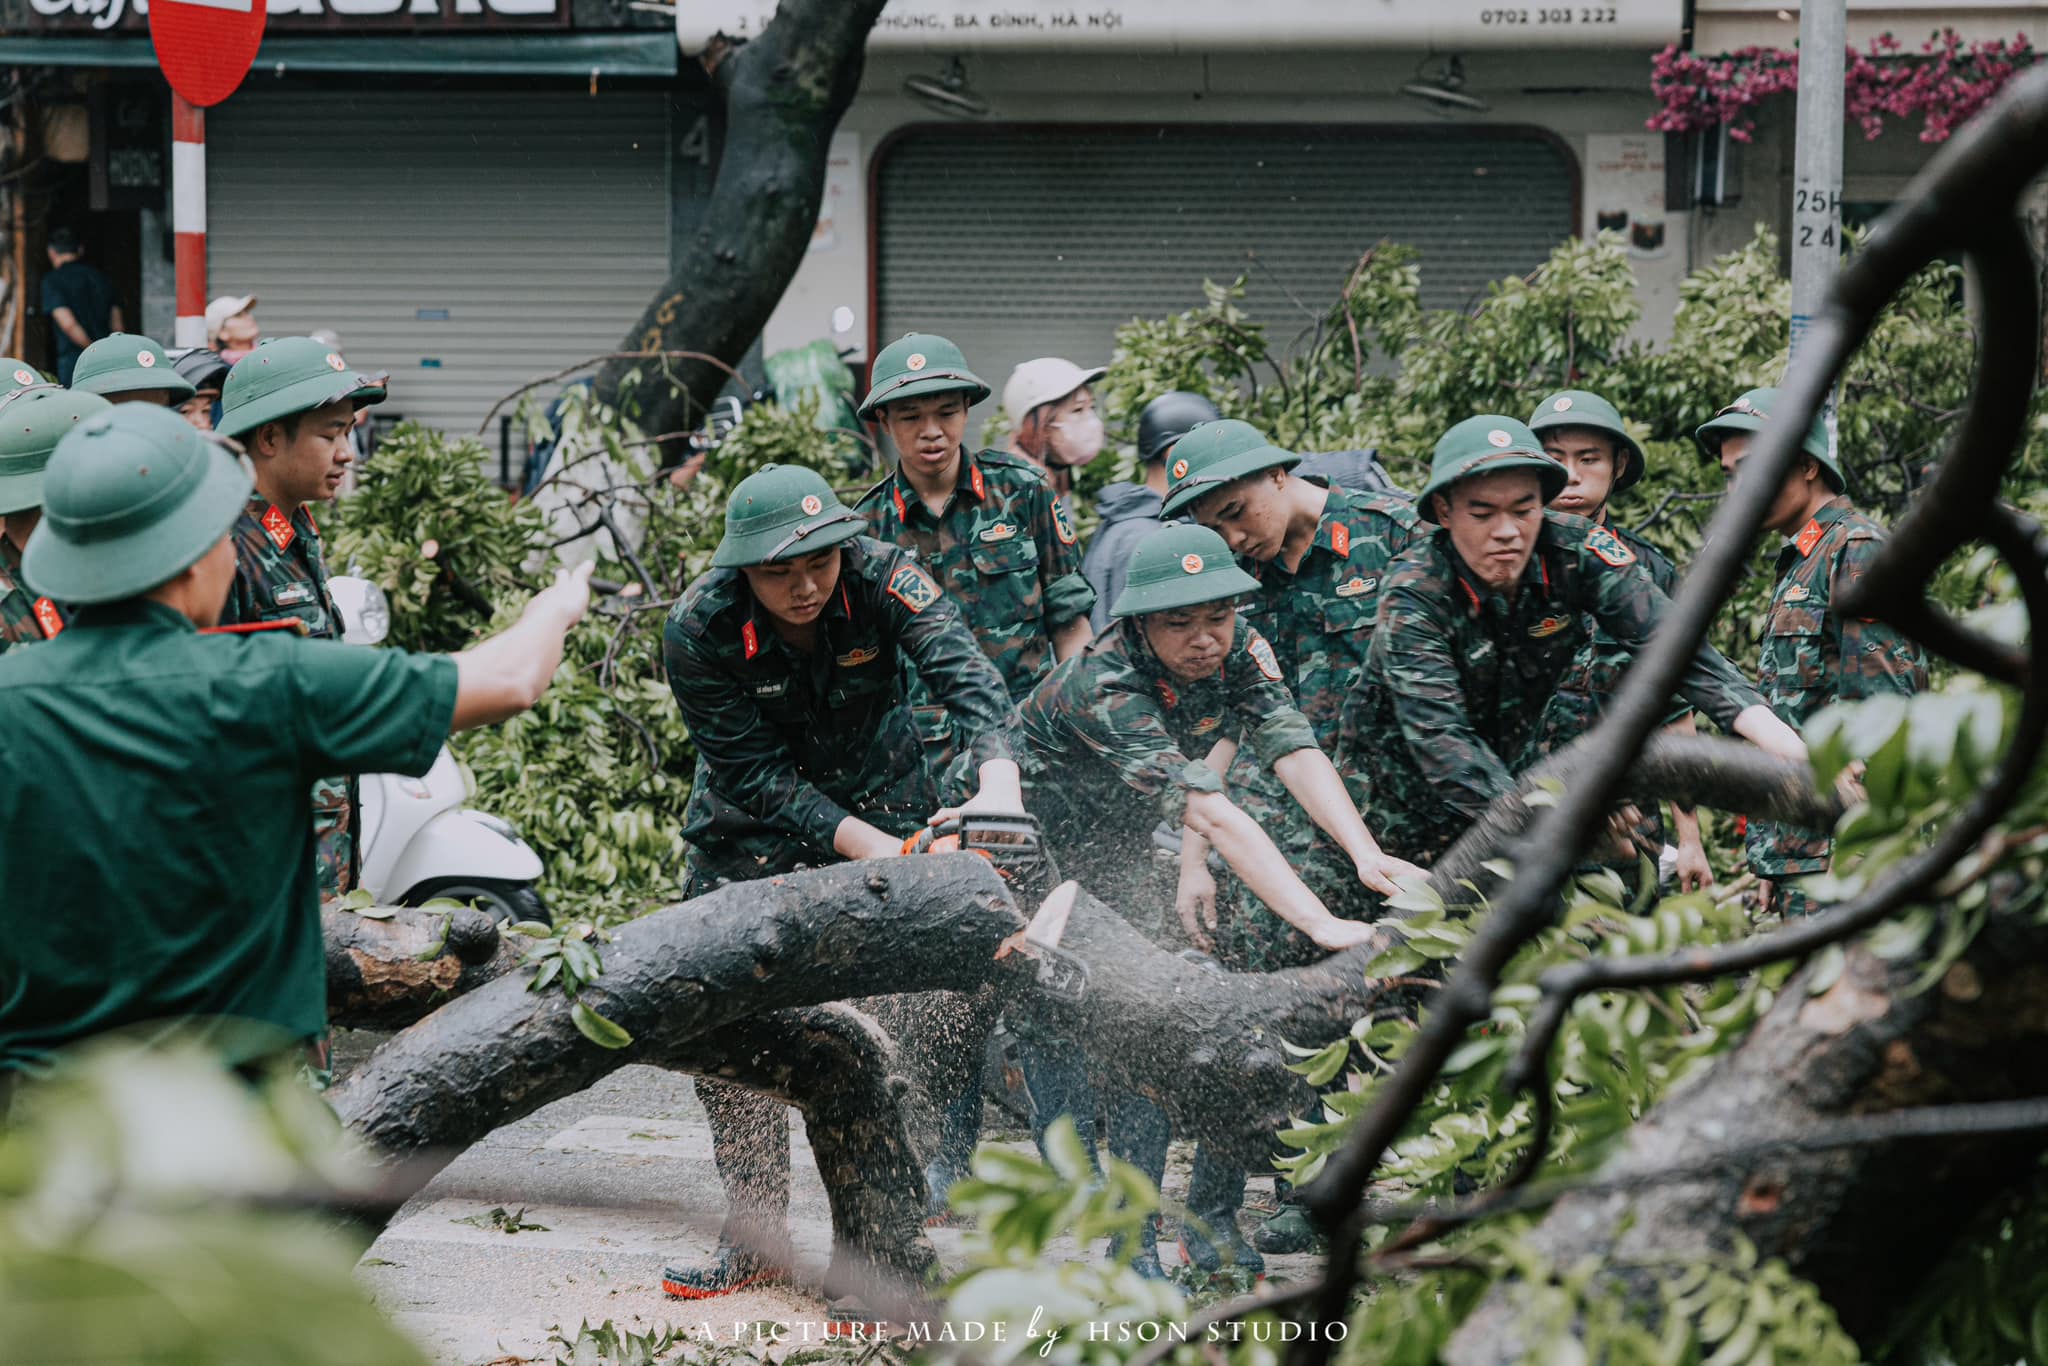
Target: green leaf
column 597, row 1028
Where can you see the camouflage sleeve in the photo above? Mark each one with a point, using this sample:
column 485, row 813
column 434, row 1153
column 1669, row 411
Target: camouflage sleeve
column 1126, row 731
column 1261, row 707
column 749, row 764
column 1418, row 666
column 1664, row 574
column 241, row 604
column 1875, row 659
column 928, row 627
column 1067, row 593
column 1626, row 602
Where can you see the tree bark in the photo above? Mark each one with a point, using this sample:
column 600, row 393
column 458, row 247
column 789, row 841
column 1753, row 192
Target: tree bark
column 828, row 934
column 1865, row 1045
column 382, row 974
column 784, row 91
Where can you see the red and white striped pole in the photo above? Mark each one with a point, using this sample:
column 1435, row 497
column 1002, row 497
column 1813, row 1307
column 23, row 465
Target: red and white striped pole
column 188, row 217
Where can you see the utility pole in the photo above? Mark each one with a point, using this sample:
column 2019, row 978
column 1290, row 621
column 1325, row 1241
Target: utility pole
column 1817, row 165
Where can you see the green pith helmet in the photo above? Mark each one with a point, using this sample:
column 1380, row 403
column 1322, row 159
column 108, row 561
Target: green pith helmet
column 123, row 363
column 1180, row 566
column 1487, row 444
column 918, row 364
column 289, row 375
column 19, row 374
column 1749, row 414
column 783, row 512
column 133, row 498
column 30, row 428
column 1213, row 454
column 1577, row 408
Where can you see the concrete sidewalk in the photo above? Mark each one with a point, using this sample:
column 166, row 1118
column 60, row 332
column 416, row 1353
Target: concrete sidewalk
column 621, row 1177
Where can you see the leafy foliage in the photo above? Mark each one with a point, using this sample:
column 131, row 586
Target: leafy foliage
column 567, row 959
column 124, row 1238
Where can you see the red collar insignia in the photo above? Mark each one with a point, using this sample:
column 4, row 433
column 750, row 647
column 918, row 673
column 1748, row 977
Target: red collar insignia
column 279, row 528
column 750, row 639
column 1340, row 539
column 1167, row 694
column 974, row 478
column 48, row 618
column 902, row 509
column 1809, row 536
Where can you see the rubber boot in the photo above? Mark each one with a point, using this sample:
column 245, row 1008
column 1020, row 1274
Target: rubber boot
column 1145, row 1261
column 727, row 1270
column 959, row 1128
column 1287, row 1230
column 1209, row 1236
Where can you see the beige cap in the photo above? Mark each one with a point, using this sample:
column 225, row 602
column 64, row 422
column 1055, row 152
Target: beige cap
column 225, row 307
column 1043, row 381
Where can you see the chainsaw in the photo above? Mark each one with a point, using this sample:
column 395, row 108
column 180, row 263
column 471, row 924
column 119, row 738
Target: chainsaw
column 1013, row 843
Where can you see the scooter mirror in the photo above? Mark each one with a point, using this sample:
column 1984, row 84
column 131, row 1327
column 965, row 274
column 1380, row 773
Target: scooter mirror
column 365, row 611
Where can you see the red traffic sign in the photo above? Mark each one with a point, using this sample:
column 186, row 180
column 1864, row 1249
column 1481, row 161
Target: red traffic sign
column 205, row 47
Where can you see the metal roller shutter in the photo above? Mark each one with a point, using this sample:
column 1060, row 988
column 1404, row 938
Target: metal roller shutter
column 466, row 242
column 1020, row 242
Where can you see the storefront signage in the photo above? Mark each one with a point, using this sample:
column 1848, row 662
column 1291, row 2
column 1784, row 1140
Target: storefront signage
column 70, row 16
column 1220, row 25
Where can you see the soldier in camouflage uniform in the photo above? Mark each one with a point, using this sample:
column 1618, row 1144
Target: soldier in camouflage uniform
column 987, row 527
column 993, row 534
column 32, row 421
column 1480, row 619
column 786, row 660
column 1319, row 554
column 1813, row 654
column 292, row 404
column 1159, row 707
column 1584, row 433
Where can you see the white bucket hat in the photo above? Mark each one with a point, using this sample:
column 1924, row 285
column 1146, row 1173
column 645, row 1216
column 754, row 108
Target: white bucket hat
column 1044, row 380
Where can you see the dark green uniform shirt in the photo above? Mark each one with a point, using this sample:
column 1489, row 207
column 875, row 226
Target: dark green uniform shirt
column 1458, row 675
column 1813, row 655
column 1005, row 552
column 1110, row 725
column 24, row 617
column 789, row 744
column 153, row 834
column 281, row 575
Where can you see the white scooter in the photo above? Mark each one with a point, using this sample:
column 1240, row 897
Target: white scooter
column 418, row 841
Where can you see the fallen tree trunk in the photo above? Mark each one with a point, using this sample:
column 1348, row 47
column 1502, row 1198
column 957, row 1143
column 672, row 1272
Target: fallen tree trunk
column 386, row 970
column 836, row 1066
column 827, row 934
column 1866, row 1045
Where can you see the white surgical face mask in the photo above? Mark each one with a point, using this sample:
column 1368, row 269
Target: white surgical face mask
column 1076, row 440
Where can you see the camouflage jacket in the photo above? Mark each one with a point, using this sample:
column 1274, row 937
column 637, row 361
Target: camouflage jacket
column 1458, row 676
column 1320, row 617
column 24, row 617
column 789, row 744
column 1813, row 655
column 1111, row 722
column 280, row 571
column 1005, row 552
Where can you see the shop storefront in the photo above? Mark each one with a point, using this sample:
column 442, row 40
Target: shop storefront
column 1126, row 155
column 471, row 193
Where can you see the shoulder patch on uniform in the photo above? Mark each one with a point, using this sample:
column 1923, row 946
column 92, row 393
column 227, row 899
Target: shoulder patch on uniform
column 913, row 588
column 1262, row 655
column 1062, row 525
column 1610, row 548
column 279, row 528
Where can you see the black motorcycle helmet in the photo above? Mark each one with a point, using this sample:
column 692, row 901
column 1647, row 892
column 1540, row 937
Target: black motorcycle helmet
column 1166, row 419
column 200, row 367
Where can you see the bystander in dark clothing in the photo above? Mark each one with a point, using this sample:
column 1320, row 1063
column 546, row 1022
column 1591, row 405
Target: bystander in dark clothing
column 79, row 301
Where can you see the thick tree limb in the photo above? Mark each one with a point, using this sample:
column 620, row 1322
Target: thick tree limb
column 1863, row 1047
column 828, row 934
column 785, row 91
